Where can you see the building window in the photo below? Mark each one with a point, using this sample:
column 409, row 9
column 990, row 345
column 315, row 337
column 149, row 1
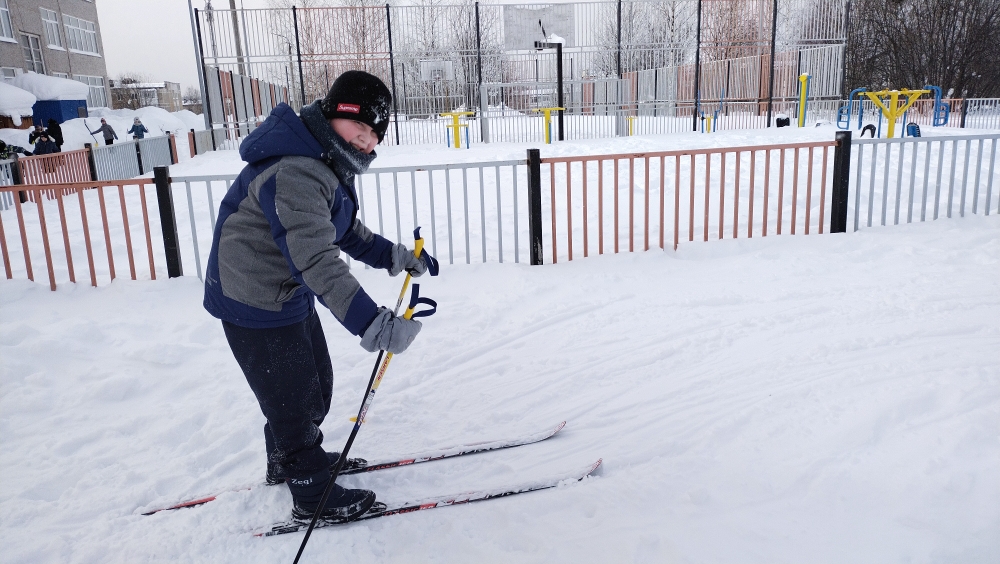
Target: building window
column 6, row 29
column 97, row 97
column 51, row 24
column 8, row 73
column 81, row 35
column 60, row 75
column 32, row 48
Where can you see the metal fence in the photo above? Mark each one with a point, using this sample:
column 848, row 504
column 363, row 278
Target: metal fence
column 6, row 179
column 132, row 158
column 437, row 57
column 534, row 210
column 468, row 211
column 922, row 178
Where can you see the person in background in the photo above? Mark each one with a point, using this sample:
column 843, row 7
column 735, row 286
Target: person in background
column 107, row 131
column 45, row 145
column 7, row 152
column 36, row 133
column 138, row 130
column 55, row 131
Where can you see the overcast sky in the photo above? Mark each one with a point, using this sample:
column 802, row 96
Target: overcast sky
column 154, row 37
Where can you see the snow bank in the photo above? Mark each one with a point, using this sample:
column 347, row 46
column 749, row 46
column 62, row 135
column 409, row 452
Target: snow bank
column 46, row 87
column 191, row 120
column 15, row 102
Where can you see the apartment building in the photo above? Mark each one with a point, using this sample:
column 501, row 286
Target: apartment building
column 54, row 37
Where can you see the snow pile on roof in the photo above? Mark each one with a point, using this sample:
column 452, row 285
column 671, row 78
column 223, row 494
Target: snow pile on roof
column 15, row 102
column 553, row 38
column 51, row 87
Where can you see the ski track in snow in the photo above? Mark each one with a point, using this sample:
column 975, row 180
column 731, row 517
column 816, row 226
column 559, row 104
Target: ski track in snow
column 790, row 399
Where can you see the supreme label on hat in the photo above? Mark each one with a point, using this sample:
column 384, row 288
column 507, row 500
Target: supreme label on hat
column 352, row 108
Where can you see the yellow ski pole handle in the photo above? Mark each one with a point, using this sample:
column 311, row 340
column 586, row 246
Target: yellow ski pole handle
column 418, row 247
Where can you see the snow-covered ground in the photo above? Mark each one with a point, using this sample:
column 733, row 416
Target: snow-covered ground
column 786, row 399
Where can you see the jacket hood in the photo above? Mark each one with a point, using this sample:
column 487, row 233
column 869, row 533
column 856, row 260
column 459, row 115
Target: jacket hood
column 282, row 134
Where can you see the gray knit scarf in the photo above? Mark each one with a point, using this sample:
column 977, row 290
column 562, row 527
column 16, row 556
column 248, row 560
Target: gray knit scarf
column 338, row 154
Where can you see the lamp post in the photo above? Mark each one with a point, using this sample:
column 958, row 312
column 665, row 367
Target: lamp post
column 559, row 76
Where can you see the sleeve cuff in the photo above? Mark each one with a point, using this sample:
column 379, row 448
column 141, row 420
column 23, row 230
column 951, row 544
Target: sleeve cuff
column 361, row 313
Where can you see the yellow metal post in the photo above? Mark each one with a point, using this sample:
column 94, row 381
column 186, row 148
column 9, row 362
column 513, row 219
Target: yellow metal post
column 894, row 110
column 631, row 125
column 456, row 126
column 547, row 125
column 803, row 91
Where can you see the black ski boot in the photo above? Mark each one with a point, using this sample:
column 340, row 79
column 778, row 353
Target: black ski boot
column 343, row 504
column 274, row 477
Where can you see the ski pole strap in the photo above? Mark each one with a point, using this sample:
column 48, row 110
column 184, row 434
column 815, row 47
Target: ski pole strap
column 416, row 300
column 432, row 263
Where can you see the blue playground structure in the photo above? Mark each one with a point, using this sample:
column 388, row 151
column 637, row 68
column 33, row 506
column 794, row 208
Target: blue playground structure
column 941, row 111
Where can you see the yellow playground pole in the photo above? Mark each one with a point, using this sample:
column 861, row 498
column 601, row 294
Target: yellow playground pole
column 894, row 110
column 455, row 116
column 547, row 125
column 803, row 94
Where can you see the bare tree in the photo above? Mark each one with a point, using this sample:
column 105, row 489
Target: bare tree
column 911, row 43
column 130, row 91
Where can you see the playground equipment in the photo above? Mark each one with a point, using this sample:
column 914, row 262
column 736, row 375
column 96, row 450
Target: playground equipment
column 547, row 127
column 803, row 98
column 631, row 124
column 455, row 126
column 893, row 110
column 710, row 122
column 844, row 112
column 941, row 110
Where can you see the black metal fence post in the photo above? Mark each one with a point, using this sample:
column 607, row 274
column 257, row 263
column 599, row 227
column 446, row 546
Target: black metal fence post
column 138, row 157
column 392, row 72
column 620, row 39
column 841, row 182
column 965, row 112
column 91, row 161
column 770, row 76
column 559, row 81
column 16, row 179
column 535, row 205
column 298, row 54
column 168, row 223
column 697, row 71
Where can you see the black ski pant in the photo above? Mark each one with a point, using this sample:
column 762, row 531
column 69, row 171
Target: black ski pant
column 289, row 370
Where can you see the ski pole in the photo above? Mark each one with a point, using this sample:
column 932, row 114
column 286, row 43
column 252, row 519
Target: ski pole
column 378, row 371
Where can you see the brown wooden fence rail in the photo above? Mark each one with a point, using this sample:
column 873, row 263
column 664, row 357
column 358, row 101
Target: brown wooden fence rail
column 74, row 231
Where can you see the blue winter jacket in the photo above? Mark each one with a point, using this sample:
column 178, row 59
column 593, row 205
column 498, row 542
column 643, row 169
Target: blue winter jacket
column 281, row 229
column 139, row 130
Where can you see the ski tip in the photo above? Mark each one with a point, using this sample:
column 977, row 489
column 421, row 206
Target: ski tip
column 559, row 427
column 595, row 466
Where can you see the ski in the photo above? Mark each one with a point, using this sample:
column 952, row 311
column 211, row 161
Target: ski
column 373, row 466
column 383, row 510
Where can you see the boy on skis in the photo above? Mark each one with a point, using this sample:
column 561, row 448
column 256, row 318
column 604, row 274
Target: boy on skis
column 277, row 244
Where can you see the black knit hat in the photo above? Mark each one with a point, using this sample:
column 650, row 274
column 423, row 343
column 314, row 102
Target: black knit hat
column 362, row 97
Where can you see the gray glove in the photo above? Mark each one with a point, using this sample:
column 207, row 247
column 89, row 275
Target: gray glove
column 389, row 333
column 403, row 259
